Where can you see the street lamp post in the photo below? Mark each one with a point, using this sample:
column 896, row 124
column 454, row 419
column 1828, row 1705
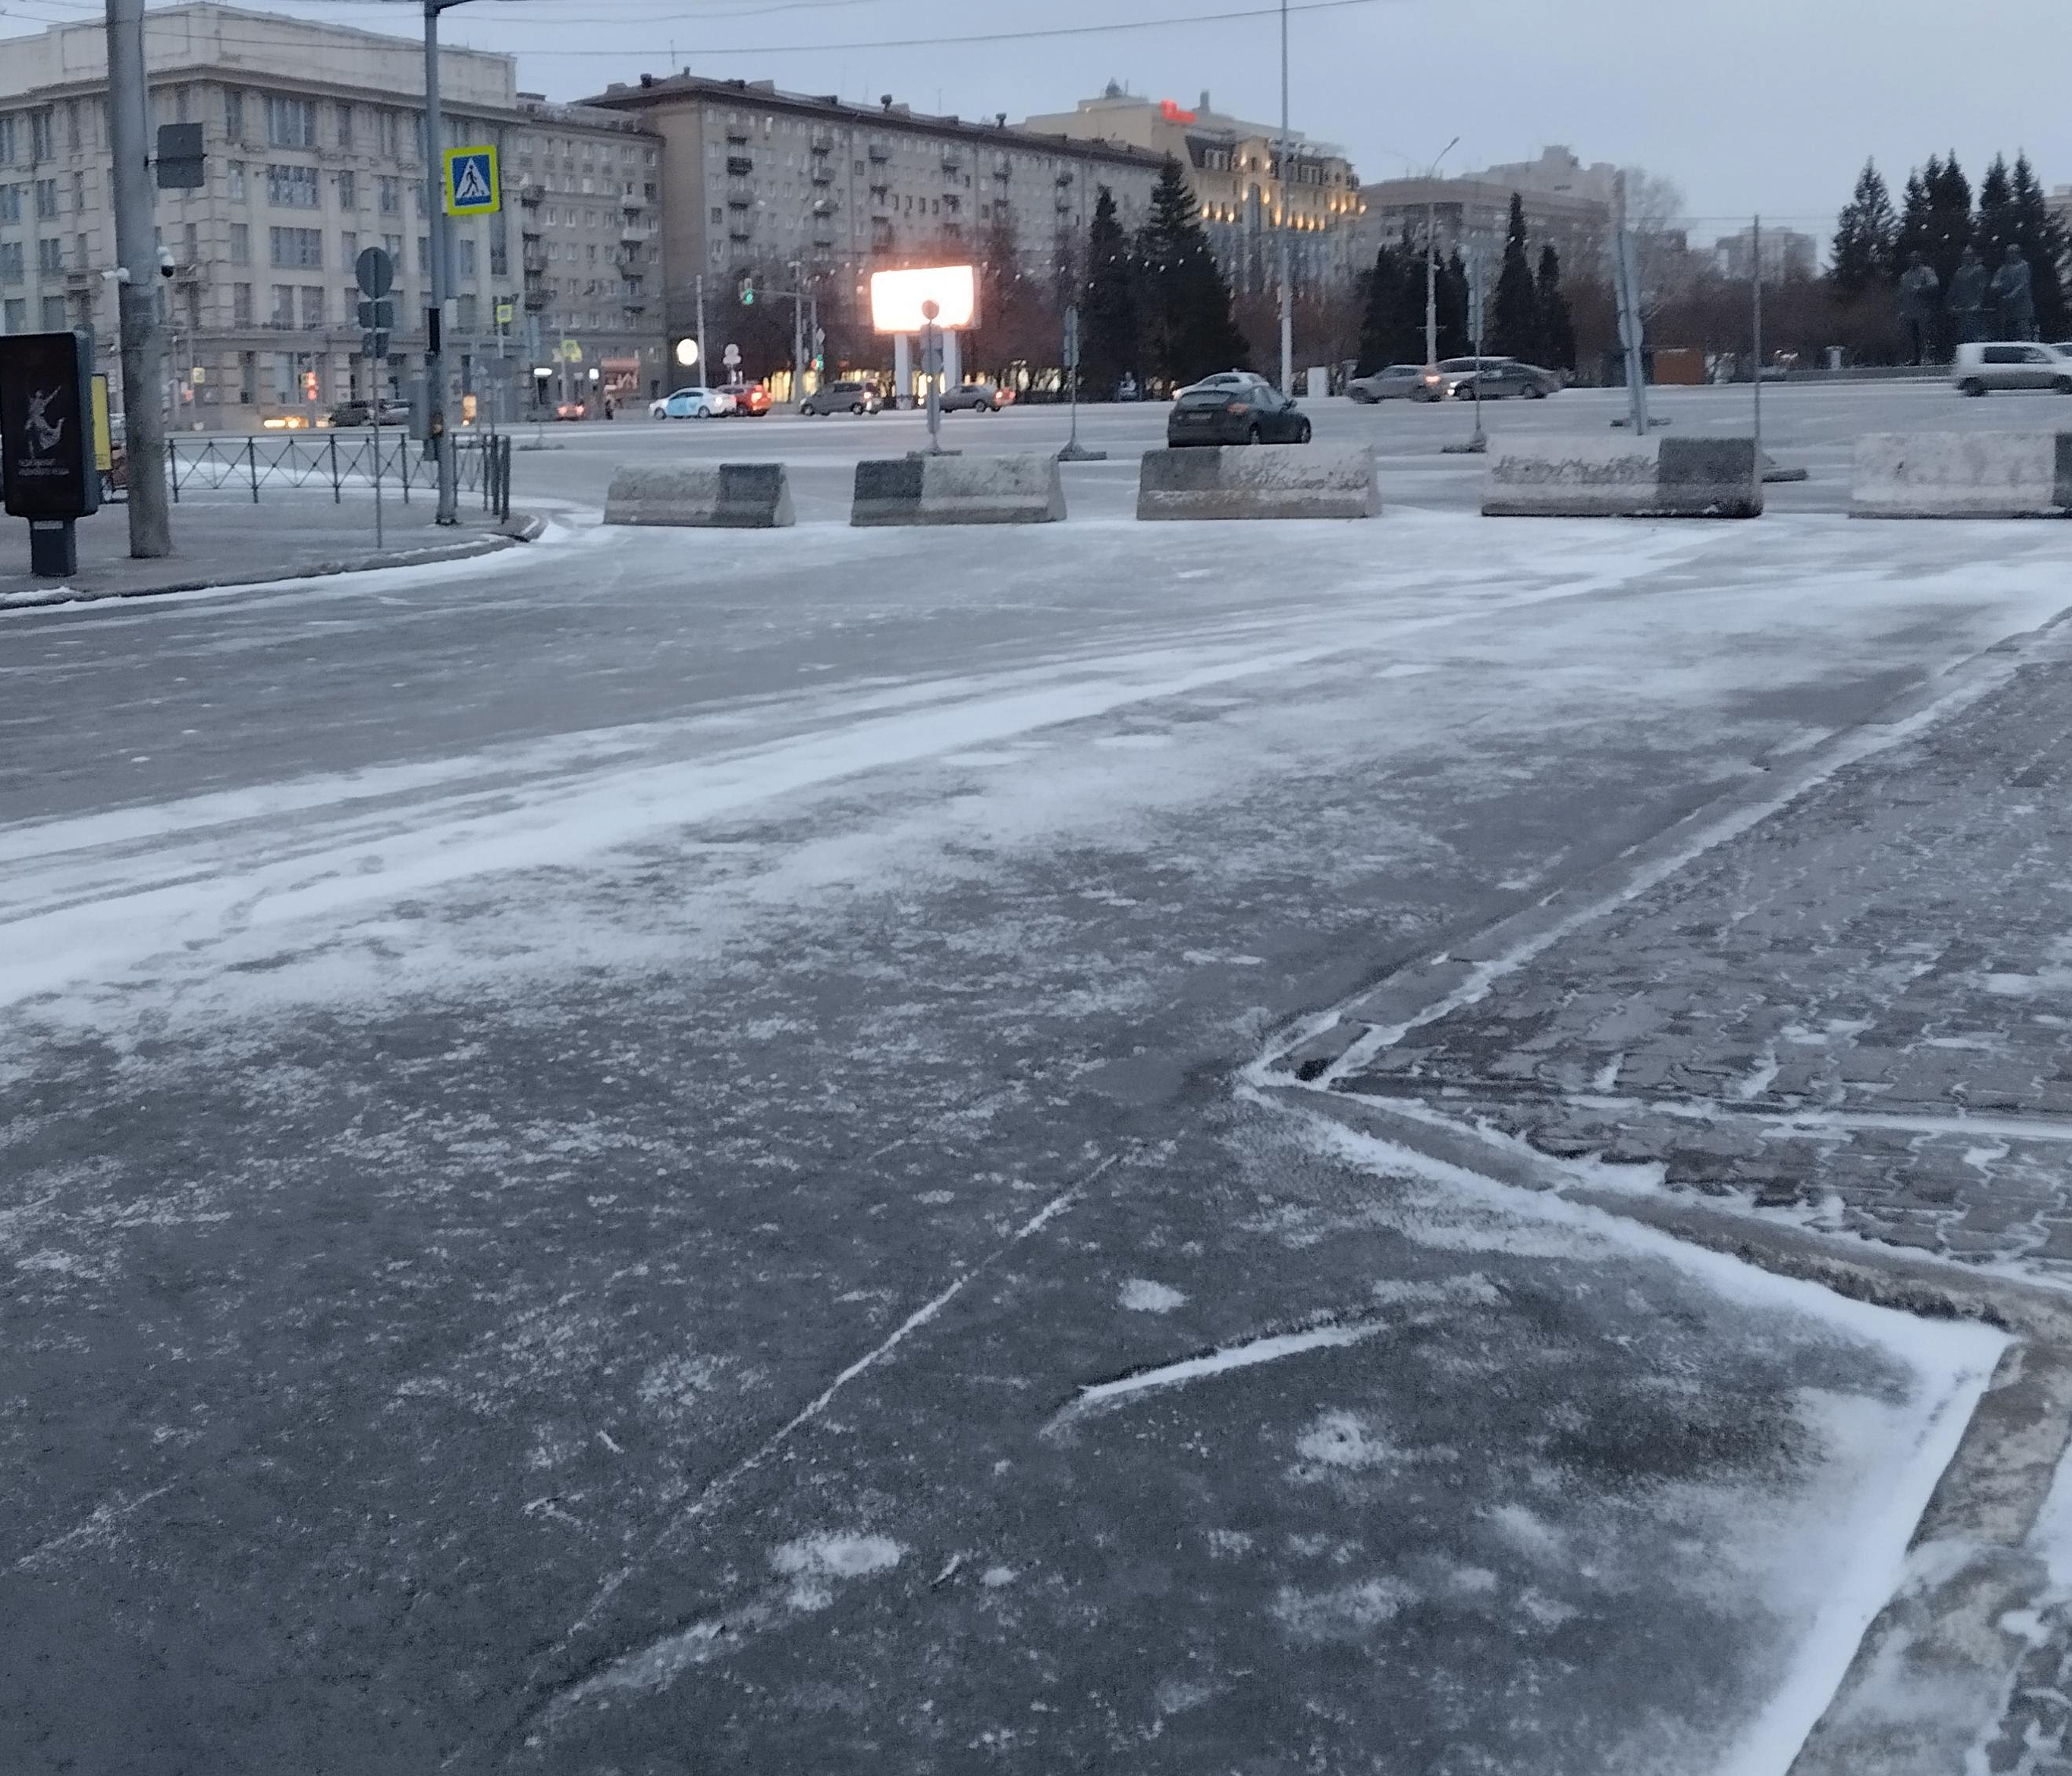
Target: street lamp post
column 1432, row 258
column 1287, row 297
column 436, row 239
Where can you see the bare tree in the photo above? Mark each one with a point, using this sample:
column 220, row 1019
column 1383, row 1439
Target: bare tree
column 1668, row 267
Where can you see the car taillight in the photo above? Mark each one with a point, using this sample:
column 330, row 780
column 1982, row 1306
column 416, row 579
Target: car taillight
column 1237, row 407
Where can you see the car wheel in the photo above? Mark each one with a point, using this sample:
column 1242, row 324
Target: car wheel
column 856, row 407
column 1972, row 386
column 2063, row 386
column 1251, row 435
column 1302, row 433
column 1534, row 392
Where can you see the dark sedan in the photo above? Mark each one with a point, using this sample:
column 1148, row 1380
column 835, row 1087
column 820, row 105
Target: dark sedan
column 1253, row 414
column 1496, row 378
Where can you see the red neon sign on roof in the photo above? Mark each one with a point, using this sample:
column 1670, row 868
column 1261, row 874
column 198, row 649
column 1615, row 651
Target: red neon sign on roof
column 1169, row 110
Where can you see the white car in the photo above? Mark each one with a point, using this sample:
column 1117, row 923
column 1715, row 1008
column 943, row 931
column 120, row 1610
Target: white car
column 1985, row 365
column 698, row 403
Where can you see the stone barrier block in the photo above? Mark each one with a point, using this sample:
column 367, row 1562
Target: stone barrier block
column 1258, row 481
column 958, row 489
column 1621, row 477
column 1962, row 474
column 713, row 496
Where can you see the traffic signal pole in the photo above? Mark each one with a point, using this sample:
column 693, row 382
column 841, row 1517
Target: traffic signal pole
column 137, row 284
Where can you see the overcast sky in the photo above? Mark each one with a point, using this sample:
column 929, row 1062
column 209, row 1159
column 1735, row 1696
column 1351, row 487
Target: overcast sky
column 1747, row 105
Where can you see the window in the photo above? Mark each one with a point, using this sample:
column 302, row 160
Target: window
column 344, row 125
column 467, row 250
column 348, row 192
column 313, row 305
column 41, row 146
column 49, row 255
column 425, row 254
column 11, row 264
column 284, row 306
column 292, row 187
column 468, row 316
column 393, row 245
column 240, row 305
column 47, row 199
column 17, row 314
column 79, row 193
column 237, row 182
column 719, row 215
column 290, row 123
column 389, row 131
column 11, row 140
column 388, row 195
column 11, row 204
column 499, row 248
column 55, row 320
column 298, row 247
column 348, row 247
column 2003, row 354
column 233, row 113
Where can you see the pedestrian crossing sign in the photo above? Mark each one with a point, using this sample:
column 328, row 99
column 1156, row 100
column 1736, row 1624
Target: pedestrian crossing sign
column 472, row 183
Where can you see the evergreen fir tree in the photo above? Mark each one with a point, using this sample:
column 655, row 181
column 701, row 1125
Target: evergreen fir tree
column 1994, row 229
column 1513, row 320
column 1188, row 330
column 1866, row 237
column 1110, row 337
column 2041, row 237
column 1386, row 319
column 1557, row 324
column 1453, row 308
column 1913, row 226
column 1949, row 215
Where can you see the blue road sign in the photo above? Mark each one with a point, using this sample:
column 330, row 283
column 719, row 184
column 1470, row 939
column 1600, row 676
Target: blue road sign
column 472, row 187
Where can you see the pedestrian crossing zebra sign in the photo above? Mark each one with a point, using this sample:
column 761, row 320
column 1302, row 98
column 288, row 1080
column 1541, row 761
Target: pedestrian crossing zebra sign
column 472, row 188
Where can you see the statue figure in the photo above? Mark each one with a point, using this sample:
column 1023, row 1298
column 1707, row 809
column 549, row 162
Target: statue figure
column 1967, row 297
column 2013, row 289
column 1919, row 289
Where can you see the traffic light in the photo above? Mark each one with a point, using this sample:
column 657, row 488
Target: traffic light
column 748, row 293
column 309, row 385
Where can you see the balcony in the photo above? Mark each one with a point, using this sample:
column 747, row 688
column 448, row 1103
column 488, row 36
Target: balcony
column 823, row 140
column 535, row 301
column 535, row 263
column 739, row 166
column 740, row 228
column 822, row 173
column 1064, row 178
column 737, row 134
column 530, row 230
column 824, row 206
column 952, row 160
column 880, row 153
column 531, row 193
column 634, row 234
column 739, row 200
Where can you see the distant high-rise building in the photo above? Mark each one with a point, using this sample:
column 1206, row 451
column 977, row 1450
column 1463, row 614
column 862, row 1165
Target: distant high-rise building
column 1566, row 203
column 1786, row 253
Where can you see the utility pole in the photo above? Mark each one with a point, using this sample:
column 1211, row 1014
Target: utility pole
column 1431, row 257
column 1287, row 296
column 704, row 363
column 1755, row 278
column 797, row 332
column 437, row 240
column 137, row 283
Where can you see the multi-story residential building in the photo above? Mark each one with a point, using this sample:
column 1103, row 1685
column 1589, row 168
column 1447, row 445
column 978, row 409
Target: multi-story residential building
column 1565, row 202
column 1787, row 254
column 313, row 136
column 1234, row 168
column 754, row 180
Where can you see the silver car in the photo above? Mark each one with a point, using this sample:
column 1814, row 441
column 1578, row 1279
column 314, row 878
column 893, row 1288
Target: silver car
column 1987, row 364
column 1397, row 382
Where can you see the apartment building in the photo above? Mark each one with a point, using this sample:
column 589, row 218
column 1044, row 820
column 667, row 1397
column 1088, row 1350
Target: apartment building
column 314, row 136
column 1234, row 168
column 1787, row 254
column 754, row 180
column 1565, row 202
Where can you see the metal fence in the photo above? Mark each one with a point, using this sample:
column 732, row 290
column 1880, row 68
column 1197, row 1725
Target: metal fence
column 291, row 461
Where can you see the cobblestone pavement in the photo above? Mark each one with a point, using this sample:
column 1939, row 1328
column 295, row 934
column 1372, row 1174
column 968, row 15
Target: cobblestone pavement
column 1859, row 1011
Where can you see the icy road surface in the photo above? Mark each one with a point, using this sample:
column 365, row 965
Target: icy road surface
column 627, row 1158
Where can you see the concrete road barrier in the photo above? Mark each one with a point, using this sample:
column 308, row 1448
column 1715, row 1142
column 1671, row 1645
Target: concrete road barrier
column 720, row 495
column 1962, row 474
column 959, row 489
column 1651, row 477
column 1258, row 481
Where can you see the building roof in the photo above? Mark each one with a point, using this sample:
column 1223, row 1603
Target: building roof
column 658, row 89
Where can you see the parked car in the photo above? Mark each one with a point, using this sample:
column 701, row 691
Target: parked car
column 1496, row 378
column 692, row 403
column 749, row 400
column 1226, row 379
column 841, row 397
column 1397, row 382
column 362, row 412
column 1216, row 412
column 976, row 397
column 1986, row 365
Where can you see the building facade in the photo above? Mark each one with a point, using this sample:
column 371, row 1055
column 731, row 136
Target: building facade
column 756, row 181
column 1787, row 254
column 1566, row 203
column 314, row 140
column 1234, row 169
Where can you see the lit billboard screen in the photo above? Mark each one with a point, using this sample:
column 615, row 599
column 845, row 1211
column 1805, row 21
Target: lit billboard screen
column 896, row 298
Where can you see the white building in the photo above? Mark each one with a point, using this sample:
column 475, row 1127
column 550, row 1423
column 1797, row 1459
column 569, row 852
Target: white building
column 313, row 138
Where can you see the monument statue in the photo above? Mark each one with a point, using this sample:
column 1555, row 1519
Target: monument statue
column 1967, row 297
column 2013, row 290
column 1919, row 290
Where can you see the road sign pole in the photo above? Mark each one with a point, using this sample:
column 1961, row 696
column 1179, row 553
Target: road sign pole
column 137, row 290
column 447, row 511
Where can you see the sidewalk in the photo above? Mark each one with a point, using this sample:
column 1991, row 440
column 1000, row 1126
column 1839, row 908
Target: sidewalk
column 1850, row 1024
column 221, row 540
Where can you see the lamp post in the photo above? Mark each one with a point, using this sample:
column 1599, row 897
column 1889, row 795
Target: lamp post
column 1432, row 258
column 436, row 239
column 1287, row 297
